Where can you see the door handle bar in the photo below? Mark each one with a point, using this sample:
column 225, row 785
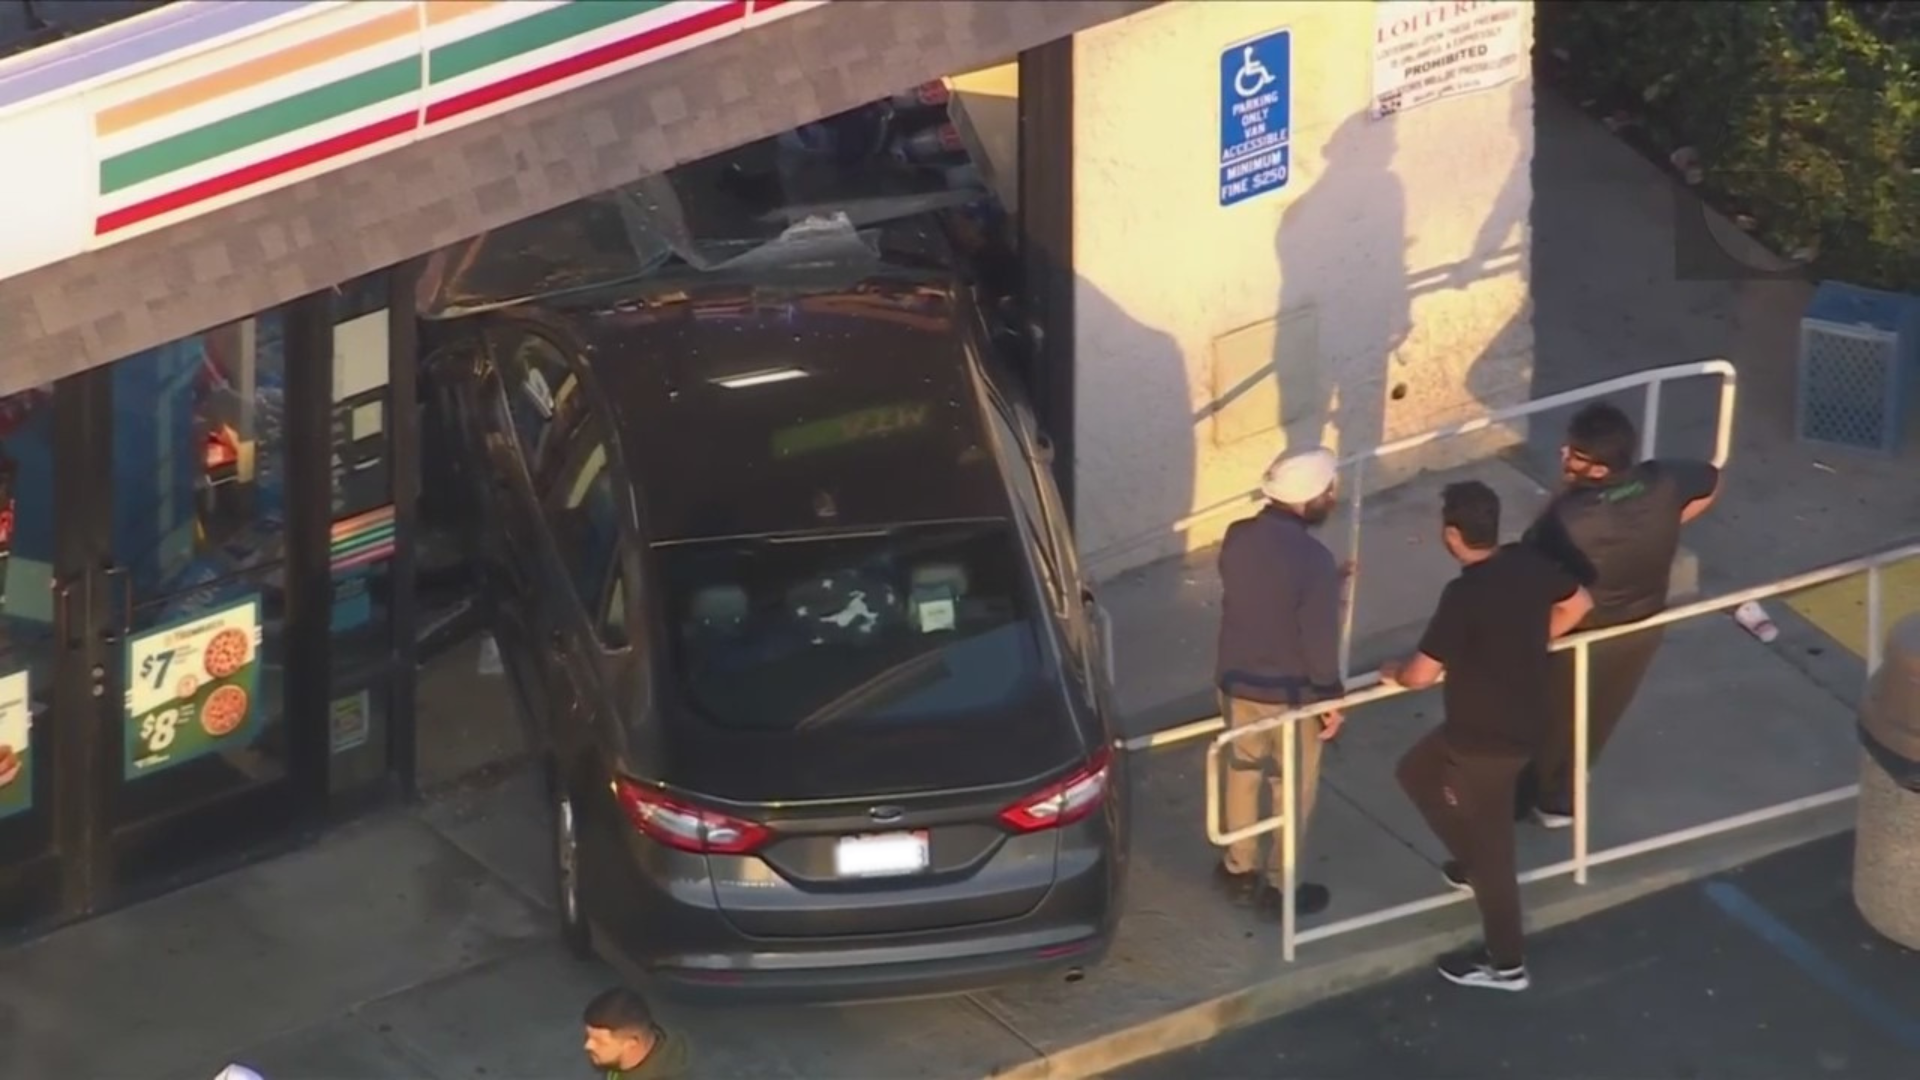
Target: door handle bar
column 118, row 632
column 63, row 618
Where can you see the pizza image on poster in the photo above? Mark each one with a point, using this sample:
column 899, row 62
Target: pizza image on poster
column 16, row 759
column 192, row 688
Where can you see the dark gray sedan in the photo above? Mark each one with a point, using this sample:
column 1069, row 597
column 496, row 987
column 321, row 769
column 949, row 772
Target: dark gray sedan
column 783, row 584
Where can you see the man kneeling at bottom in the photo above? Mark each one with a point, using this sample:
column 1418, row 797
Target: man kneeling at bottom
column 1489, row 636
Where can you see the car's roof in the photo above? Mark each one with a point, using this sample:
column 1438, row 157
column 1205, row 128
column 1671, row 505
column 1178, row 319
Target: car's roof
column 883, row 427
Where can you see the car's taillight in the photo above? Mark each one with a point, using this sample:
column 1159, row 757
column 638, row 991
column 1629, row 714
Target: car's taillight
column 1063, row 803
column 684, row 827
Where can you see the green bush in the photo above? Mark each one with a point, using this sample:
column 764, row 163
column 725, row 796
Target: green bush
column 1805, row 116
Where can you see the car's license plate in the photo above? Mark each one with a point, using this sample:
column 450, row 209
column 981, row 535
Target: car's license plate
column 880, row 854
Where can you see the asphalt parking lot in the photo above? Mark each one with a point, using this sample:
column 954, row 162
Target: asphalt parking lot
column 1764, row 972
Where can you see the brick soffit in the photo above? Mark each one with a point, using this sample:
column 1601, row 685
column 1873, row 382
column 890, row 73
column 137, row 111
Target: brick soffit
column 111, row 303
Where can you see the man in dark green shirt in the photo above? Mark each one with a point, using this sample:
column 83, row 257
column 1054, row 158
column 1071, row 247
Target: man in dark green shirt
column 625, row 1043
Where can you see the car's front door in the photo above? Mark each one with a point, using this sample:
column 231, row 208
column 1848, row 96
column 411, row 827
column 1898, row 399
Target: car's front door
column 589, row 643
column 540, row 418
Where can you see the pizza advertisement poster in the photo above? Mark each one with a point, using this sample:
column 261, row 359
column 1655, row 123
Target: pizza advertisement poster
column 16, row 731
column 192, row 688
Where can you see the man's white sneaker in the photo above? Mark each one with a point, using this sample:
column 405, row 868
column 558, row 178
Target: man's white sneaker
column 1475, row 969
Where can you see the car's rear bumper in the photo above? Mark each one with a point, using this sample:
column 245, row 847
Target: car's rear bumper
column 819, row 978
column 656, row 915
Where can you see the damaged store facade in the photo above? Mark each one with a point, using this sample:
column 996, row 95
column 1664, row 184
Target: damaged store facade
column 1205, row 231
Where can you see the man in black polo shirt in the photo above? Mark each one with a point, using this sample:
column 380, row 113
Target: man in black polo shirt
column 1615, row 525
column 1489, row 635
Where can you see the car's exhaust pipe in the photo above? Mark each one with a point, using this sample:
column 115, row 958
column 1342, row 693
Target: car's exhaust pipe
column 1074, row 975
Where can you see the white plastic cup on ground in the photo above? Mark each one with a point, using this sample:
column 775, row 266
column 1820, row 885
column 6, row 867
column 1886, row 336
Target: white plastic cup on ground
column 1753, row 619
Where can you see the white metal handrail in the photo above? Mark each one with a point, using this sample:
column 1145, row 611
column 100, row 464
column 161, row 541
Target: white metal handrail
column 1653, row 380
column 1375, row 689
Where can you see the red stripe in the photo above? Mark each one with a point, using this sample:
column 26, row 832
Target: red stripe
column 610, row 53
column 249, row 175
column 767, row 5
column 259, row 172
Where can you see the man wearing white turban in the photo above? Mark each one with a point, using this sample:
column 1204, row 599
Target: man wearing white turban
column 1279, row 649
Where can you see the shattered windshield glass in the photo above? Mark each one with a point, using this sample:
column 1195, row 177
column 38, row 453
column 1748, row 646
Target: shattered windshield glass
column 766, row 206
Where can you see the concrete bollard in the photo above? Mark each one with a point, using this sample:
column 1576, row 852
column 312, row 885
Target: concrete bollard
column 1886, row 844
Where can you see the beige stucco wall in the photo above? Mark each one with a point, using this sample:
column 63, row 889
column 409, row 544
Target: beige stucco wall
column 1381, row 293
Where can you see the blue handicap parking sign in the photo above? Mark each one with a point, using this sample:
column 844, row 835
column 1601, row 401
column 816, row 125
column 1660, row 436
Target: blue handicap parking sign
column 1256, row 116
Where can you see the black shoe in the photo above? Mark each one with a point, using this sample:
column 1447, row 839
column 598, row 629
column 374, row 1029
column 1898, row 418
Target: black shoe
column 1241, row 888
column 1475, row 969
column 1456, row 875
column 1308, row 899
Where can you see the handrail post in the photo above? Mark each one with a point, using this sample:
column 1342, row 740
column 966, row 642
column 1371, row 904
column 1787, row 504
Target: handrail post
column 1580, row 721
column 1355, row 504
column 1873, row 620
column 1650, row 421
column 1723, row 434
column 1289, row 835
column 1213, row 793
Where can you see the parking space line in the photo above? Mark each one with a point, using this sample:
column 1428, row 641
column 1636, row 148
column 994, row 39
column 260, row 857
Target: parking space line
column 1838, row 608
column 1748, row 912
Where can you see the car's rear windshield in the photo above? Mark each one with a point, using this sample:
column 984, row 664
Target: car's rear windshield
column 925, row 624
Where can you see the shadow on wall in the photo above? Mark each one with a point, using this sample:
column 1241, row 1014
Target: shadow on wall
column 1157, row 386
column 1494, row 379
column 1337, row 336
column 1351, row 359
column 1340, row 354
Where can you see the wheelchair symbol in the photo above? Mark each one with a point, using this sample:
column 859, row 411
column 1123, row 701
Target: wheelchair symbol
column 1253, row 75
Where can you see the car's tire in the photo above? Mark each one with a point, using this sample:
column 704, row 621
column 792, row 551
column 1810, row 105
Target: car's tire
column 574, row 928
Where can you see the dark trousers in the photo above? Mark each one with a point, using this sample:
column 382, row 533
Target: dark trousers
column 1615, row 669
column 1467, row 799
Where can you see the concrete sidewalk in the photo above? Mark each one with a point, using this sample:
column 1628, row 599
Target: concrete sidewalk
column 419, row 945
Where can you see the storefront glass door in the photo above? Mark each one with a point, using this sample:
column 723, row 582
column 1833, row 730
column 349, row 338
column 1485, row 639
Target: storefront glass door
column 195, row 613
column 143, row 689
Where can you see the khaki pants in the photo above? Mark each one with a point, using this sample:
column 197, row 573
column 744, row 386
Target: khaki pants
column 1254, row 766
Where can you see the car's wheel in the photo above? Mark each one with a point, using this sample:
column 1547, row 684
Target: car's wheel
column 566, row 866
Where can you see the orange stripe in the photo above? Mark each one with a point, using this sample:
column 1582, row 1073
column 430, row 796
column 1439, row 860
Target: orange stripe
column 445, row 11
column 321, row 50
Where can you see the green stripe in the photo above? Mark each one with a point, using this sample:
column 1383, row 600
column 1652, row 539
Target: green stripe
column 361, row 541
column 289, row 114
column 338, row 557
column 468, row 55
